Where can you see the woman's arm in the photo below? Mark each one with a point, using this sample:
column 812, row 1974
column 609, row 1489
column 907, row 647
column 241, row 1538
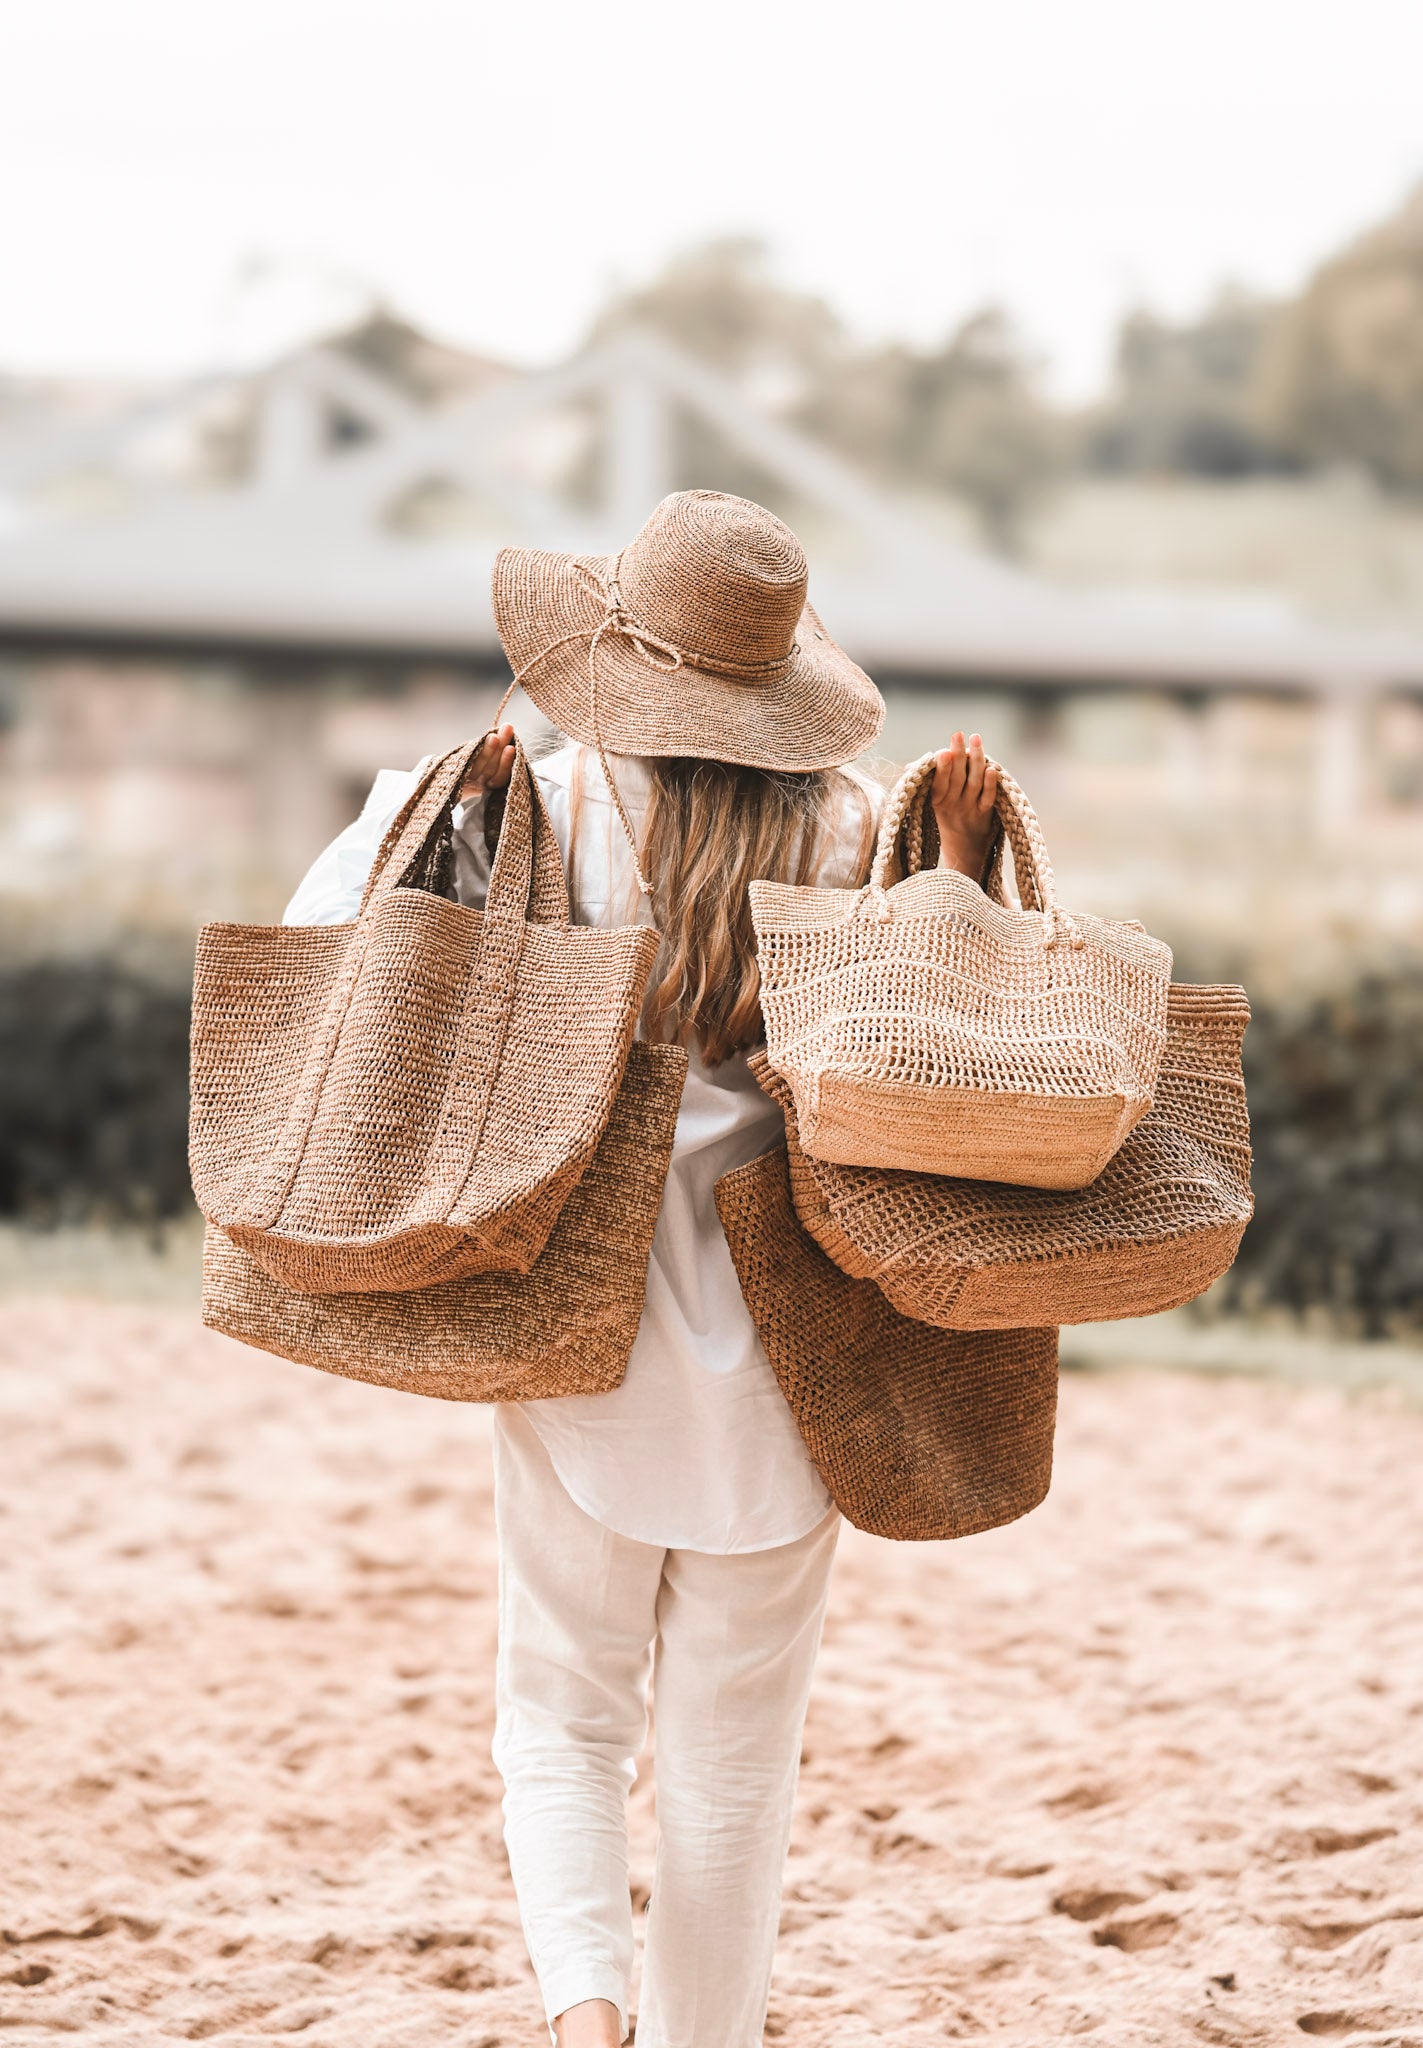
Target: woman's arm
column 330, row 891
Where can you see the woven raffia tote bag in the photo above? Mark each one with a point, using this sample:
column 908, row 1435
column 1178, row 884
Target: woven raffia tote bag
column 412, row 1097
column 565, row 1327
column 927, row 1024
column 1161, row 1222
column 917, row 1433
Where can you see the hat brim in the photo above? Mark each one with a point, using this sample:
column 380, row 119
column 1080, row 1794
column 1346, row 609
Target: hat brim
column 821, row 712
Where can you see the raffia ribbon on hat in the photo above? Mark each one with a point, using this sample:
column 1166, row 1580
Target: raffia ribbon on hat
column 618, row 617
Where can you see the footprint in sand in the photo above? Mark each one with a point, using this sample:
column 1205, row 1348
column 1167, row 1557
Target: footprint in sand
column 1133, row 1932
column 1091, row 1902
column 1127, row 1930
column 1377, row 2026
column 1320, row 1840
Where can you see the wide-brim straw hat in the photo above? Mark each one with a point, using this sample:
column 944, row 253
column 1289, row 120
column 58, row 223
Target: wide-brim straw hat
column 695, row 639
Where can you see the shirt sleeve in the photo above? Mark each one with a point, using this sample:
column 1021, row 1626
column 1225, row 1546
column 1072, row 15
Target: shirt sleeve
column 472, row 856
column 331, row 889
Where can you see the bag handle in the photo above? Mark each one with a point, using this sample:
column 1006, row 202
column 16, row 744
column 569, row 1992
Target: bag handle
column 921, row 848
column 527, row 878
column 904, row 814
column 548, row 892
column 520, row 879
column 539, row 891
column 416, row 819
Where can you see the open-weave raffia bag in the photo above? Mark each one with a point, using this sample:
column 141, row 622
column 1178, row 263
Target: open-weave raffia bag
column 412, row 1097
column 916, row 1432
column 927, row 1024
column 565, row 1327
column 1160, row 1223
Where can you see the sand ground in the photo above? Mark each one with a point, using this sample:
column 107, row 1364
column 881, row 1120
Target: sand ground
column 1146, row 1768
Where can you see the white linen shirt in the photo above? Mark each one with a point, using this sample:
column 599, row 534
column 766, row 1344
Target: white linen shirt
column 695, row 1448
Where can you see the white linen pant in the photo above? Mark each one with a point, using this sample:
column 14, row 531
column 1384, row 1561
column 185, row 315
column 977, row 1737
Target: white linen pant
column 586, row 1617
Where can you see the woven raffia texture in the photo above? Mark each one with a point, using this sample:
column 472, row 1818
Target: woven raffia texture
column 705, row 643
column 1161, row 1222
column 412, row 1097
column 922, row 1024
column 565, row 1327
column 916, row 1432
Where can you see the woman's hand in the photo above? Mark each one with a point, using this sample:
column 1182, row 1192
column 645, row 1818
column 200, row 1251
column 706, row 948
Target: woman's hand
column 492, row 765
column 964, row 791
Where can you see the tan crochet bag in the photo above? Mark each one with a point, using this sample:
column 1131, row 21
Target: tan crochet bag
column 1162, row 1220
column 923, row 1024
column 565, row 1327
column 917, row 1433
column 412, row 1097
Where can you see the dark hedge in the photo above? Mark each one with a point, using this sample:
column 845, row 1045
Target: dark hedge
column 93, row 1113
column 93, row 1094
column 1336, row 1110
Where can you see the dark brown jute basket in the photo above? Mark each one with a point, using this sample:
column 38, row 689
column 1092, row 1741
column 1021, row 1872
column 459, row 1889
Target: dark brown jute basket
column 565, row 1327
column 1161, row 1222
column 918, row 1433
column 412, row 1097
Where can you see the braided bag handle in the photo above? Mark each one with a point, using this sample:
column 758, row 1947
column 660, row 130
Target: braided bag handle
column 921, row 847
column 904, row 815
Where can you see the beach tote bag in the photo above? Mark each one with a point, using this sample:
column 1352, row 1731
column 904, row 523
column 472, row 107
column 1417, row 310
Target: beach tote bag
column 927, row 1024
column 1161, row 1222
column 917, row 1433
column 564, row 1327
column 411, row 1097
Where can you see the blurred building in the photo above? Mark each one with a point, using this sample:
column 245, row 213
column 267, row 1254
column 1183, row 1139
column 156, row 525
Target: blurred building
column 223, row 606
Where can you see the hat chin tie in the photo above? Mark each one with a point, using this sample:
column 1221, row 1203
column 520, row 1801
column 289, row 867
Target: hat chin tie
column 617, row 618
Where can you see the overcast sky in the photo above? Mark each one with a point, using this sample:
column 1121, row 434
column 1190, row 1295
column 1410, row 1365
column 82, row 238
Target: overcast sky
column 494, row 169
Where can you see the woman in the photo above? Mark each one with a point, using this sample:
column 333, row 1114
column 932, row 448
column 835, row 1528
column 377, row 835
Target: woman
column 675, row 1528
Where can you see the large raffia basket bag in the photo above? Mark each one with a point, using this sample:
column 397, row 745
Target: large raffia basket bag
column 1161, row 1222
column 412, row 1097
column 926, row 1024
column 565, row 1327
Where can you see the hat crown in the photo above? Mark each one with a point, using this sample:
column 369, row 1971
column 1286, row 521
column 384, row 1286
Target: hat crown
column 716, row 576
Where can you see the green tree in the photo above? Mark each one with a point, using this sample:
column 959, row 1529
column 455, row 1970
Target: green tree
column 962, row 418
column 721, row 302
column 1183, row 395
column 1342, row 374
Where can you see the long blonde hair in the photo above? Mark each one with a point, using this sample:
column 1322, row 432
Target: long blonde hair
column 712, row 828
